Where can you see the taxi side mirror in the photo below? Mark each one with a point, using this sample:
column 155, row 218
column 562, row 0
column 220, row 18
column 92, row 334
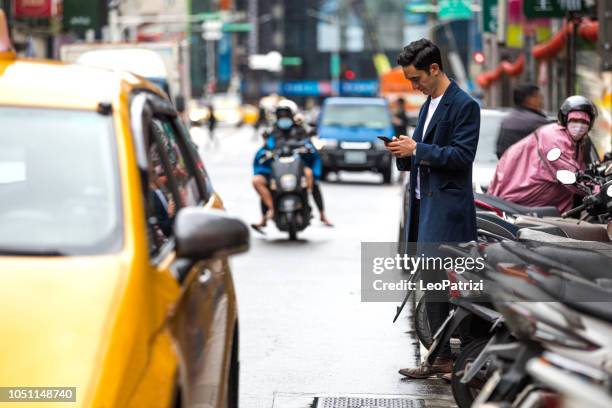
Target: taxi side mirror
column 203, row 234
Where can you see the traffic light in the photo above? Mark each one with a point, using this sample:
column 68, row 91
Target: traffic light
column 348, row 74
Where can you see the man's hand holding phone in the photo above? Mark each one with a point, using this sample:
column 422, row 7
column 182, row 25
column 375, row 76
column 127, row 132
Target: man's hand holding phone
column 403, row 146
column 385, row 139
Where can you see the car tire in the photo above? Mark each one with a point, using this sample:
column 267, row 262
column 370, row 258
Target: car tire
column 233, row 382
column 465, row 394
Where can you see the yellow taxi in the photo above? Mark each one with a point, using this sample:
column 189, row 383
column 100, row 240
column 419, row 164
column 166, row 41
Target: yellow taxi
column 113, row 246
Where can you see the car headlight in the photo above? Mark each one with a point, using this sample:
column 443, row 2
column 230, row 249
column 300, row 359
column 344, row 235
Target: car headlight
column 288, row 182
column 320, row 144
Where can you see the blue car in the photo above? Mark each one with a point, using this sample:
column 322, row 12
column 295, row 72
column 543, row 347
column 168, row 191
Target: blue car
column 347, row 135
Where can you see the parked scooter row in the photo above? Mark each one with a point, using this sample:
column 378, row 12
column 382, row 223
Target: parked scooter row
column 549, row 312
column 541, row 328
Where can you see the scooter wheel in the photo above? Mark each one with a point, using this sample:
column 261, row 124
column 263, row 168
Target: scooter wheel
column 465, row 394
column 421, row 324
column 292, row 227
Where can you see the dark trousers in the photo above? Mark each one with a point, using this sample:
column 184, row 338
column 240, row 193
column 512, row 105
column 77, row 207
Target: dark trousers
column 436, row 307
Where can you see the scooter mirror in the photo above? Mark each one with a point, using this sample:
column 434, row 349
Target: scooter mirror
column 553, row 154
column 566, row 176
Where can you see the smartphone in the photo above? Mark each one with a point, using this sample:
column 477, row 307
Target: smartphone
column 384, row 139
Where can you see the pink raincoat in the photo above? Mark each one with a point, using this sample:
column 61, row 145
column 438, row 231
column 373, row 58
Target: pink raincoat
column 524, row 175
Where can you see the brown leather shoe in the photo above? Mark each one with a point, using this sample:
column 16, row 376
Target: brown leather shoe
column 439, row 367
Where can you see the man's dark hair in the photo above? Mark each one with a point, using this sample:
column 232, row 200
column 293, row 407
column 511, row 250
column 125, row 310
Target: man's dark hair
column 421, row 54
column 523, row 91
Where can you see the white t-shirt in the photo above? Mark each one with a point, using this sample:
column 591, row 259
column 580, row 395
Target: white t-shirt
column 433, row 104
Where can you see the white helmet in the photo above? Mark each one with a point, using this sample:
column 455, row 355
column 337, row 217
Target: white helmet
column 288, row 104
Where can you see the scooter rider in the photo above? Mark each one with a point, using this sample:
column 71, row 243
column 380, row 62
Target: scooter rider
column 525, row 175
column 285, row 129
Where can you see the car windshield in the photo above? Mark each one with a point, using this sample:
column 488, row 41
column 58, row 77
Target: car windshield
column 59, row 188
column 490, row 123
column 367, row 116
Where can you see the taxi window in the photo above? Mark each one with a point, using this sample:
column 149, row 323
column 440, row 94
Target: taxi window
column 183, row 174
column 59, row 183
column 161, row 206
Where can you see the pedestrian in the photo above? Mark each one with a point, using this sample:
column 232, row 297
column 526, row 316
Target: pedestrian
column 400, row 119
column 525, row 117
column 526, row 176
column 439, row 158
column 212, row 124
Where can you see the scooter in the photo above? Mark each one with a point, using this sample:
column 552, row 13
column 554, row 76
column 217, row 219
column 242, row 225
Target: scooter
column 289, row 187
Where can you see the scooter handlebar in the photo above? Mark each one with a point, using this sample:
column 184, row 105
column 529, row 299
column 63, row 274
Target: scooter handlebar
column 573, row 211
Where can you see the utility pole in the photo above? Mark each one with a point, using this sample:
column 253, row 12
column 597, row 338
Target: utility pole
column 211, row 33
column 113, row 21
column 253, row 13
column 502, row 14
column 604, row 15
column 334, row 63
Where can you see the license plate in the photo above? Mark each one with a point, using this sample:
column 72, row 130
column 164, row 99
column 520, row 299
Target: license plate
column 355, row 157
column 488, row 389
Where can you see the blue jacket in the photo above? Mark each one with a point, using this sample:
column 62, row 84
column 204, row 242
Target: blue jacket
column 444, row 156
column 312, row 160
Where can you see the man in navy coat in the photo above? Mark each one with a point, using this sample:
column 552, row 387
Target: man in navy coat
column 439, row 158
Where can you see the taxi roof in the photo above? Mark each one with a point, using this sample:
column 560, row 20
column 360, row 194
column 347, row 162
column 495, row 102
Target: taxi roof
column 45, row 83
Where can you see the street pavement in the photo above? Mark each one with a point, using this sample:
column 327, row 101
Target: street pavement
column 304, row 331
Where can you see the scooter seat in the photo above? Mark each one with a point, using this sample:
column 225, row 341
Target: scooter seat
column 517, row 209
column 573, row 228
column 602, row 310
column 591, row 265
column 588, row 299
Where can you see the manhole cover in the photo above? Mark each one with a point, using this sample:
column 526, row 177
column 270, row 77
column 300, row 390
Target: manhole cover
column 357, row 402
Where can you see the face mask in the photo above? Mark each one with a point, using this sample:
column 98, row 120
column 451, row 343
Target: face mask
column 284, row 123
column 577, row 130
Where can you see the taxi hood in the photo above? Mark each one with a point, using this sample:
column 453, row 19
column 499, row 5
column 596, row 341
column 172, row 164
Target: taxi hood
column 56, row 314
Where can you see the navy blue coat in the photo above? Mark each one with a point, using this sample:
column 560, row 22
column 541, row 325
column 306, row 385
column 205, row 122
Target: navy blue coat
column 444, row 156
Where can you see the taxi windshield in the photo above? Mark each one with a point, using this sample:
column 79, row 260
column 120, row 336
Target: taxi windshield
column 59, row 187
column 365, row 116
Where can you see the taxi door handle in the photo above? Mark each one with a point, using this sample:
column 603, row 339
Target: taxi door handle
column 204, row 277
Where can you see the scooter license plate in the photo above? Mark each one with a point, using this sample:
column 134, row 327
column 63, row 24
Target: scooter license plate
column 488, row 389
column 355, row 157
column 446, row 322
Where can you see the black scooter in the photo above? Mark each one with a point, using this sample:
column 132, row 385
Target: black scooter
column 289, row 187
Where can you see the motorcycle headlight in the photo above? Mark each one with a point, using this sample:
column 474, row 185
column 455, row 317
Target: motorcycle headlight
column 288, row 182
